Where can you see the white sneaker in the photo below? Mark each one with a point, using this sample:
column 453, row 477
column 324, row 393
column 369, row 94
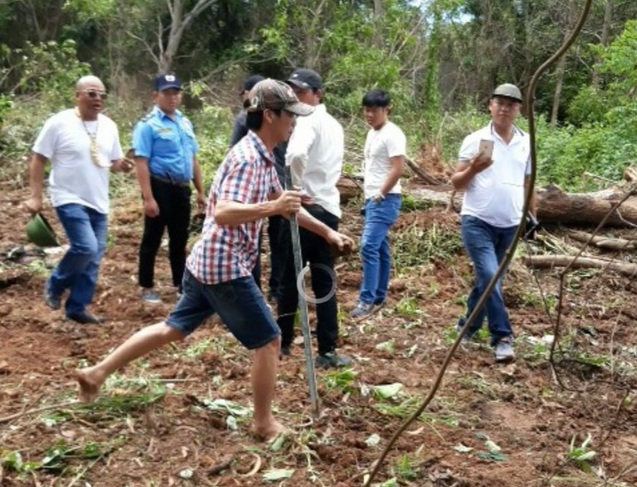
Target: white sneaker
column 150, row 296
column 504, row 351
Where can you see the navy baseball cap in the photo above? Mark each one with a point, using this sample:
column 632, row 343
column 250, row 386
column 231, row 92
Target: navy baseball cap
column 251, row 81
column 306, row 79
column 167, row 81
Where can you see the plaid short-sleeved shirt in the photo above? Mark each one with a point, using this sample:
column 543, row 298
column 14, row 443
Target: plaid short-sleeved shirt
column 226, row 252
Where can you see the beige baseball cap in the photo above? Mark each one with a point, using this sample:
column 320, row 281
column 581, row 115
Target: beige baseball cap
column 275, row 95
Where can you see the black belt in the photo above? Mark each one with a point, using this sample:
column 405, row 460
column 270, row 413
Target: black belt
column 185, row 184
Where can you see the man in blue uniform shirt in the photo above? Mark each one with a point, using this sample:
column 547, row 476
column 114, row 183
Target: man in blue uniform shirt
column 166, row 159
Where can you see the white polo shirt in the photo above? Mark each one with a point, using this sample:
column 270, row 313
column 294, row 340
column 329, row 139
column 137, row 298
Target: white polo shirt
column 496, row 195
column 74, row 177
column 380, row 146
column 315, row 154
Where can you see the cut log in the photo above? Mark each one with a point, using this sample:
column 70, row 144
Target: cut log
column 604, row 242
column 554, row 205
column 349, row 187
column 550, row 261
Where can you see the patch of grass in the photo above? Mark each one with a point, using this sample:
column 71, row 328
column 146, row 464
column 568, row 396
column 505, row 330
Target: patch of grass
column 408, row 307
column 413, row 204
column 58, row 456
column 342, row 380
column 415, row 246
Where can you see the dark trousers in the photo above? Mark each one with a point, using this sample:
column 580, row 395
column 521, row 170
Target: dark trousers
column 174, row 212
column 277, row 252
column 276, row 256
column 316, row 251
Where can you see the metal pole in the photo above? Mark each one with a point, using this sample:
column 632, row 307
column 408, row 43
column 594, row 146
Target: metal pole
column 305, row 320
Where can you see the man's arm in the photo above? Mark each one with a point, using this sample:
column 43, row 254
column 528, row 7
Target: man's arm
column 197, row 180
column 308, row 222
column 151, row 209
column 397, row 166
column 36, row 182
column 235, row 213
column 466, row 170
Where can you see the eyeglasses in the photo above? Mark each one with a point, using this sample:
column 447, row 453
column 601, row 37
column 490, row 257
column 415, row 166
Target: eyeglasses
column 94, row 94
column 290, row 114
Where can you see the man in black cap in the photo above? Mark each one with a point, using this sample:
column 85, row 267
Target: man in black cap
column 494, row 166
column 165, row 155
column 315, row 156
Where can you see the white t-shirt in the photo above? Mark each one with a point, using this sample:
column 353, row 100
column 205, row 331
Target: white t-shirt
column 315, row 155
column 74, row 176
column 496, row 195
column 380, row 146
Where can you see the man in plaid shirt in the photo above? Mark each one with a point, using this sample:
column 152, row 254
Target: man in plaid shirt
column 218, row 272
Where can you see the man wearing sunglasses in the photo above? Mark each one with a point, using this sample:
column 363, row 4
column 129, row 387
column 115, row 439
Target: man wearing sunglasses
column 83, row 147
column 165, row 156
column 218, row 278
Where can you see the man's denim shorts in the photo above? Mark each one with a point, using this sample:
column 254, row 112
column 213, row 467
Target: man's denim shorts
column 239, row 303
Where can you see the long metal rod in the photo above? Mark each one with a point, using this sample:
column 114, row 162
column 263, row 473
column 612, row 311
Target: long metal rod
column 305, row 319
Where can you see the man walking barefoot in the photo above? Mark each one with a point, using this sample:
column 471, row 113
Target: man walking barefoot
column 218, row 272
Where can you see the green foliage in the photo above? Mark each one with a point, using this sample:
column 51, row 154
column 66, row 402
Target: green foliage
column 581, row 455
column 48, row 68
column 213, row 126
column 417, row 246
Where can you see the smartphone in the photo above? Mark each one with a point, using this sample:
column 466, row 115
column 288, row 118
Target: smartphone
column 485, row 148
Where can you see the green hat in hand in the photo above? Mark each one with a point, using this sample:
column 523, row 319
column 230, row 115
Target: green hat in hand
column 40, row 232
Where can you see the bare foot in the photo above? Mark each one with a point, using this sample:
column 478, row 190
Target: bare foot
column 89, row 388
column 270, row 430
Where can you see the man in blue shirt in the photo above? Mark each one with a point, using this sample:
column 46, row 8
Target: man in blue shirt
column 165, row 155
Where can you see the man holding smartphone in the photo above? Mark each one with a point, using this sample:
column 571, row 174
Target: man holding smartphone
column 493, row 170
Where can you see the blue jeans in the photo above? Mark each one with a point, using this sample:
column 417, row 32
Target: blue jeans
column 486, row 246
column 239, row 303
column 380, row 216
column 87, row 231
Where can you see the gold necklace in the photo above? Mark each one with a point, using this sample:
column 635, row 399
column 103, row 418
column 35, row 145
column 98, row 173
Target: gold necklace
column 95, row 148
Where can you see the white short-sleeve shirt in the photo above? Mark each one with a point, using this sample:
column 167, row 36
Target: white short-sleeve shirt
column 496, row 195
column 315, row 155
column 380, row 146
column 74, row 177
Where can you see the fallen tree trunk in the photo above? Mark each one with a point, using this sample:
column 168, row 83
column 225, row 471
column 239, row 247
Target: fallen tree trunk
column 550, row 261
column 556, row 206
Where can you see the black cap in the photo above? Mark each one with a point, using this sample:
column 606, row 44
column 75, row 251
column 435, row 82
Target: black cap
column 306, row 79
column 251, row 81
column 167, row 81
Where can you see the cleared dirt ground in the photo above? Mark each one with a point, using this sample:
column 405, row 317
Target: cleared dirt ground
column 161, row 421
